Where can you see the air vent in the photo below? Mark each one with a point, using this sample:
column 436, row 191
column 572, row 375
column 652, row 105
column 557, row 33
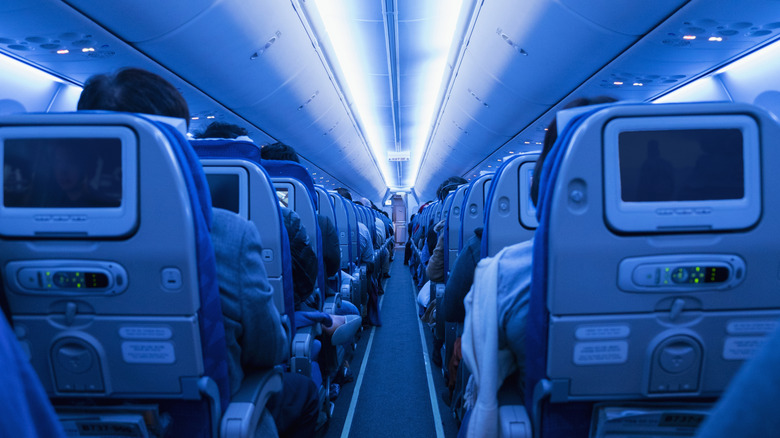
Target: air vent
column 509, row 41
column 474, row 95
column 331, row 128
column 267, row 45
column 316, row 93
column 459, row 127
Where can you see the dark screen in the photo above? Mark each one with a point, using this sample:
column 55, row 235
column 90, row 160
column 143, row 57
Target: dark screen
column 62, row 172
column 224, row 190
column 681, row 165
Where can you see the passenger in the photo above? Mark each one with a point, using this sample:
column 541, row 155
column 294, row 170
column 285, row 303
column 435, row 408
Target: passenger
column 253, row 330
column 408, row 245
column 224, row 130
column 388, row 245
column 331, row 249
column 26, row 410
column 344, row 193
column 748, row 407
column 498, row 305
column 458, row 285
column 366, row 256
column 436, row 270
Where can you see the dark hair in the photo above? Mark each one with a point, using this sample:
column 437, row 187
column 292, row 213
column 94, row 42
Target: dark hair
column 344, row 193
column 449, row 185
column 552, row 134
column 133, row 90
column 222, row 130
column 279, row 151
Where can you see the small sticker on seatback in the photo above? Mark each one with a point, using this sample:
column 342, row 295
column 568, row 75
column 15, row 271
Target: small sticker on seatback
column 742, row 347
column 600, row 353
column 607, row 331
column 148, row 352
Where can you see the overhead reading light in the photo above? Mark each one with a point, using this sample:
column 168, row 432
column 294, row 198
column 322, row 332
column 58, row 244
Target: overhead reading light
column 638, row 84
column 63, row 51
column 715, row 38
column 689, row 37
column 614, row 83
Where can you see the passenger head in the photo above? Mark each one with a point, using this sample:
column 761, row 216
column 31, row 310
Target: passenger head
column 366, row 202
column 552, row 134
column 344, row 193
column 279, row 151
column 222, row 130
column 449, row 185
column 133, row 90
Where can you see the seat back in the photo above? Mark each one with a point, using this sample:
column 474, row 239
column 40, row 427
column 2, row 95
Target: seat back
column 452, row 238
column 473, row 209
column 510, row 214
column 662, row 224
column 344, row 229
column 238, row 183
column 231, row 182
column 133, row 315
column 353, row 219
column 294, row 180
column 437, row 212
column 445, row 216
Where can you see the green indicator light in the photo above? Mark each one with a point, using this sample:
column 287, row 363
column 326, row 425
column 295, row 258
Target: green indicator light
column 78, row 284
column 48, row 273
column 667, row 269
column 696, row 280
column 698, row 269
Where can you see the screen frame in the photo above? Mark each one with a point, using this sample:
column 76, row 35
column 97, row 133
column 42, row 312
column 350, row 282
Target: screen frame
column 75, row 222
column 290, row 188
column 681, row 216
column 527, row 208
column 243, row 185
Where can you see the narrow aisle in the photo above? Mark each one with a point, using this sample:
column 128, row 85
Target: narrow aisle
column 394, row 399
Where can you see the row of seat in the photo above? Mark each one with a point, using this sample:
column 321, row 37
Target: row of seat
column 114, row 296
column 653, row 259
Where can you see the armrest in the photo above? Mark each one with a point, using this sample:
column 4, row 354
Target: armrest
column 287, row 327
column 514, row 422
column 246, row 407
column 345, row 288
column 300, row 362
column 331, row 304
column 440, row 287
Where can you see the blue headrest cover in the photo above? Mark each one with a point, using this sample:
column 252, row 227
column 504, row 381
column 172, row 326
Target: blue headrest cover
column 291, row 169
column 570, row 419
column 489, row 201
column 212, row 330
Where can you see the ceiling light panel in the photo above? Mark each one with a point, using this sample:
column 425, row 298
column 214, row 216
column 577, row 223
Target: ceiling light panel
column 355, row 30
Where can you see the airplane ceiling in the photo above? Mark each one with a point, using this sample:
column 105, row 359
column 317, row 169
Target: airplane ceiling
column 273, row 67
